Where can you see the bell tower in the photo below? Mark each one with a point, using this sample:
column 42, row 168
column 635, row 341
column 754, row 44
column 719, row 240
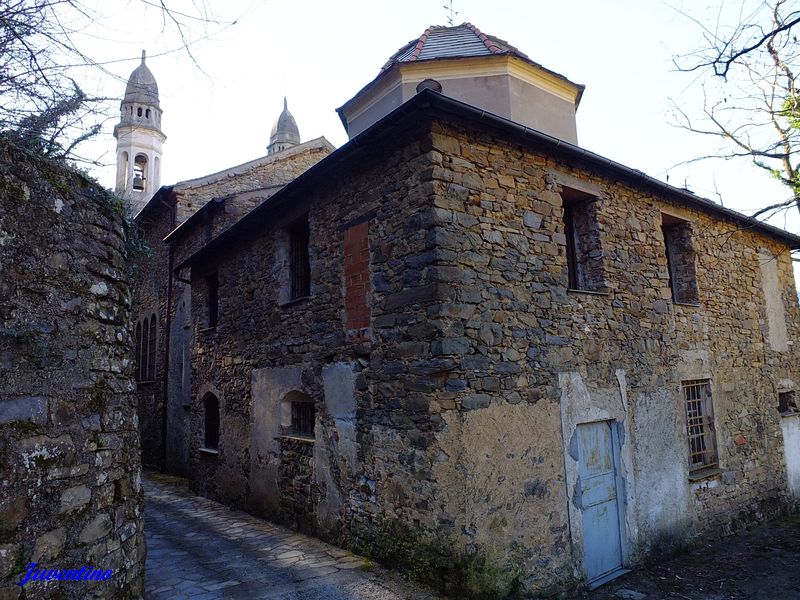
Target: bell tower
column 139, row 140
column 284, row 133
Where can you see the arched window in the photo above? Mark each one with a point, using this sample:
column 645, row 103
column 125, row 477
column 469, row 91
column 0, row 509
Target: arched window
column 139, row 112
column 147, row 113
column 298, row 414
column 211, row 418
column 151, row 350
column 138, row 353
column 139, row 170
column 145, row 349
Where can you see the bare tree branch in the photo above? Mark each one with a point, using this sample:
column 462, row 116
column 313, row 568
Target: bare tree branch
column 39, row 99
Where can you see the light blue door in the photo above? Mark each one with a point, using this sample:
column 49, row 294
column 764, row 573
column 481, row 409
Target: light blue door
column 598, row 500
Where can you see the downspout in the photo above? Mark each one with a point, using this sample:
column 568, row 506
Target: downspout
column 168, row 334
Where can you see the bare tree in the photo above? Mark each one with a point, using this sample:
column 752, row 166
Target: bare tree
column 750, row 102
column 41, row 104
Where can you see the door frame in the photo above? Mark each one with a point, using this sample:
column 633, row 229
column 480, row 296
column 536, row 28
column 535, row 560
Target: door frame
column 619, row 485
column 579, row 406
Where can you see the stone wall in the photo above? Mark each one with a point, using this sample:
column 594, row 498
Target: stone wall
column 70, row 495
column 264, row 348
column 150, row 289
column 455, row 412
column 263, row 173
column 242, row 188
column 535, row 360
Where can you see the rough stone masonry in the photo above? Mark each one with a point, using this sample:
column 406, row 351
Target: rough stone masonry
column 70, row 494
column 453, row 408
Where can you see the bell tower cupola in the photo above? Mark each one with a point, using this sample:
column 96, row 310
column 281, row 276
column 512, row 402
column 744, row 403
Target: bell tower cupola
column 139, row 139
column 285, row 133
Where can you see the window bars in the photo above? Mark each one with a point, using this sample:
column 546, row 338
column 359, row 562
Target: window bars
column 700, row 424
column 303, row 419
column 299, row 265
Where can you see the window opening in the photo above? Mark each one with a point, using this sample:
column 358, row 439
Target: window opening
column 138, row 352
column 787, row 402
column 151, row 350
column 299, row 263
column 298, row 415
column 139, row 170
column 680, row 259
column 303, row 418
column 582, row 233
column 700, row 424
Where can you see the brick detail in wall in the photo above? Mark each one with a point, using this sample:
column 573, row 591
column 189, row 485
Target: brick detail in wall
column 356, row 276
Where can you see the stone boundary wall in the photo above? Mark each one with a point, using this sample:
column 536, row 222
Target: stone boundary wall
column 70, row 494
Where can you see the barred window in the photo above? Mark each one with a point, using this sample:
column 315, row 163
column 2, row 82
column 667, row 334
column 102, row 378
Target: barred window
column 298, row 415
column 145, row 349
column 138, row 352
column 303, row 418
column 700, row 424
column 151, row 350
column 299, row 264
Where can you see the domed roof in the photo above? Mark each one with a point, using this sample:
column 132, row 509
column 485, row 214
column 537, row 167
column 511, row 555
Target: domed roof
column 142, row 86
column 285, row 128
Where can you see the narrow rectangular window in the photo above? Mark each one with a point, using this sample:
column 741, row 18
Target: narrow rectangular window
column 143, row 354
column 212, row 283
column 680, row 259
column 138, row 353
column 582, row 233
column 151, row 350
column 700, row 424
column 303, row 418
column 299, row 263
column 572, row 259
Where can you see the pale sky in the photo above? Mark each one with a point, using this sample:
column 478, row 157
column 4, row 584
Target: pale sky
column 320, row 53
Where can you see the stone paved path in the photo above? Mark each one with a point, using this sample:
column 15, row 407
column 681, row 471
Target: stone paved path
column 199, row 549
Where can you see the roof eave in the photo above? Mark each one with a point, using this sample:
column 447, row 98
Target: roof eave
column 444, row 105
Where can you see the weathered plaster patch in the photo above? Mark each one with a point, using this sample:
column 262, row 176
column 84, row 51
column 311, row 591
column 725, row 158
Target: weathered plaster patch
column 791, row 447
column 268, row 386
column 776, row 317
column 338, row 380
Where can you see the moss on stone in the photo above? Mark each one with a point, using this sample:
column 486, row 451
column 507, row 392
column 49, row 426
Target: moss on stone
column 24, row 427
column 484, row 573
column 97, row 401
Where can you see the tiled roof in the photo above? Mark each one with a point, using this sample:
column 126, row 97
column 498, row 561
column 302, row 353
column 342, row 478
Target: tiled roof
column 451, row 42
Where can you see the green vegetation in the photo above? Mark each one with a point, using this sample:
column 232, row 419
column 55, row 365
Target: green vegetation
column 484, row 574
column 98, row 397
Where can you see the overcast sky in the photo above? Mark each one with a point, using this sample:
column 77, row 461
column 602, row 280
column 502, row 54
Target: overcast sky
column 219, row 112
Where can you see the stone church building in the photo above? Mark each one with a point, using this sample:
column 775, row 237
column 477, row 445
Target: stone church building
column 464, row 325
